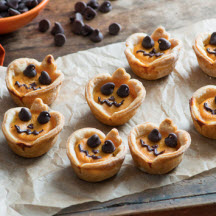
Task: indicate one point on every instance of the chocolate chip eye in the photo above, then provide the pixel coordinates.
(44, 117)
(154, 135)
(123, 91)
(30, 71)
(164, 44)
(94, 141)
(108, 147)
(25, 114)
(108, 88)
(171, 140)
(44, 78)
(213, 39)
(147, 42)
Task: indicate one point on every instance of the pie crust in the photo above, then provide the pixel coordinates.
(160, 67)
(37, 146)
(119, 116)
(101, 169)
(162, 163)
(47, 93)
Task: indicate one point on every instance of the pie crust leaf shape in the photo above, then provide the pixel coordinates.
(25, 97)
(30, 146)
(160, 66)
(165, 162)
(115, 116)
(206, 62)
(95, 170)
(204, 121)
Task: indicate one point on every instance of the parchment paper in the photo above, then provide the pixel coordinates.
(44, 185)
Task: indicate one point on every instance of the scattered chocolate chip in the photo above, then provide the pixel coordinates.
(94, 141)
(44, 117)
(89, 13)
(12, 4)
(13, 12)
(164, 44)
(154, 135)
(86, 30)
(147, 42)
(76, 16)
(59, 39)
(123, 91)
(30, 71)
(105, 7)
(57, 29)
(114, 28)
(171, 140)
(44, 78)
(77, 27)
(25, 114)
(3, 6)
(80, 7)
(44, 25)
(213, 39)
(108, 147)
(96, 36)
(93, 4)
(107, 88)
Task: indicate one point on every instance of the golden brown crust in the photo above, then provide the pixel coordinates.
(158, 68)
(162, 163)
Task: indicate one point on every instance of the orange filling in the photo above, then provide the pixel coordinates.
(207, 115)
(211, 48)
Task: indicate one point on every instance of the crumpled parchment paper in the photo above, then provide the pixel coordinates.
(44, 185)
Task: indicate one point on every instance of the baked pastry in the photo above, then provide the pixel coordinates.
(203, 110)
(114, 99)
(32, 132)
(95, 156)
(27, 79)
(205, 50)
(158, 150)
(152, 57)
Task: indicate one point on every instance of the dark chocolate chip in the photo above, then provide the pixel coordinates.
(44, 78)
(25, 114)
(147, 42)
(108, 147)
(114, 28)
(123, 91)
(13, 12)
(171, 140)
(77, 27)
(57, 28)
(154, 135)
(80, 7)
(96, 36)
(105, 7)
(94, 141)
(44, 117)
(213, 39)
(86, 30)
(23, 10)
(76, 16)
(107, 88)
(89, 13)
(93, 4)
(30, 71)
(4, 14)
(12, 4)
(30, 126)
(44, 25)
(3, 6)
(59, 39)
(34, 3)
(164, 44)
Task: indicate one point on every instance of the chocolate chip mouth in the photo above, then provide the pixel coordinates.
(207, 108)
(31, 85)
(151, 53)
(110, 101)
(211, 51)
(87, 154)
(27, 131)
(151, 148)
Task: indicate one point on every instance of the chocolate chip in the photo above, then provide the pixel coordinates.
(3, 6)
(12, 4)
(80, 7)
(171, 140)
(123, 91)
(23, 10)
(86, 30)
(30, 126)
(57, 29)
(147, 42)
(34, 3)
(114, 28)
(154, 135)
(213, 39)
(93, 4)
(89, 13)
(44, 25)
(4, 14)
(44, 117)
(13, 12)
(76, 16)
(94, 141)
(105, 7)
(31, 3)
(59, 39)
(25, 114)
(108, 147)
(164, 44)
(44, 78)
(77, 27)
(107, 88)
(96, 36)
(30, 71)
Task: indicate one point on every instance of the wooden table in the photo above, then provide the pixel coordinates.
(196, 196)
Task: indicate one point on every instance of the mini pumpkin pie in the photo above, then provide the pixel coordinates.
(152, 57)
(32, 132)
(95, 156)
(205, 50)
(203, 110)
(28, 79)
(158, 150)
(114, 99)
